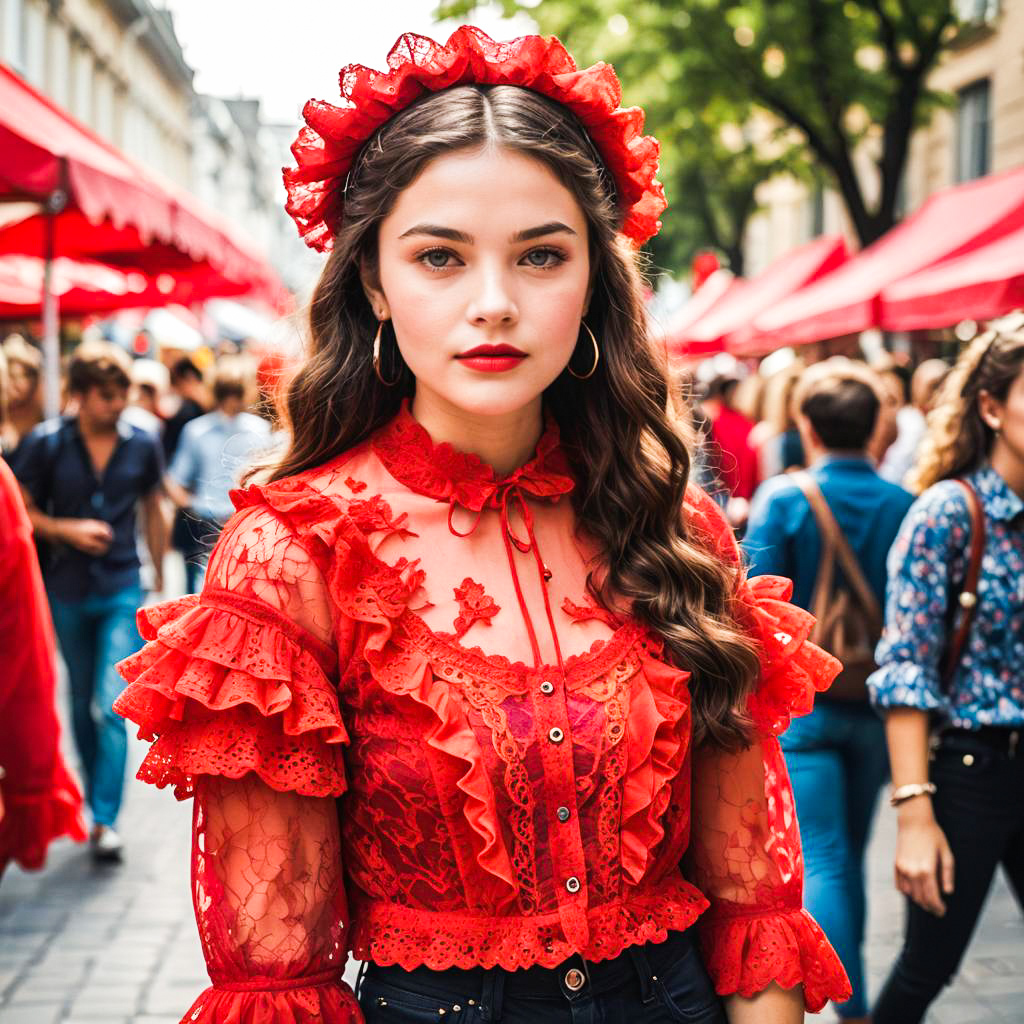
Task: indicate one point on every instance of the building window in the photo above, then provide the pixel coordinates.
(972, 131)
(34, 25)
(974, 12)
(12, 33)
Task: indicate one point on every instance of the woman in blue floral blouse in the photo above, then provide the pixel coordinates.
(957, 772)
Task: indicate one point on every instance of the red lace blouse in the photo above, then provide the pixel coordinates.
(404, 630)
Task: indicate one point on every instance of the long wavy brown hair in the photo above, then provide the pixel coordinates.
(629, 456)
(958, 439)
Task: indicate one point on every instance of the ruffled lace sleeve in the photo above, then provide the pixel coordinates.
(237, 691)
(745, 850)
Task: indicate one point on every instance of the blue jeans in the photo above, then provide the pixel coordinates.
(656, 983)
(95, 634)
(837, 762)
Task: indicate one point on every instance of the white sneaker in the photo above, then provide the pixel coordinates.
(106, 844)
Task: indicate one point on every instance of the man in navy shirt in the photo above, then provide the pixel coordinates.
(84, 477)
(836, 755)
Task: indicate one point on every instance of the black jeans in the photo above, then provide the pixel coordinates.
(663, 983)
(979, 804)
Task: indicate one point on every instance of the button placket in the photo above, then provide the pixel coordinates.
(569, 868)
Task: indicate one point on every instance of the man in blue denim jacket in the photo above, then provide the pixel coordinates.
(836, 755)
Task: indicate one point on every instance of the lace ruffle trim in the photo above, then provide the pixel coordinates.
(329, 143)
(390, 934)
(31, 821)
(657, 741)
(224, 693)
(793, 669)
(745, 954)
(301, 1001)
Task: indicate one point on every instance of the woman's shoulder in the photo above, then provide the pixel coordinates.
(945, 502)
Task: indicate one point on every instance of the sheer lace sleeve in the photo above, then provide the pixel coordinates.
(270, 904)
(237, 691)
(745, 851)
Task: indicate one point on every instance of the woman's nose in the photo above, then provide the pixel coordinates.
(494, 302)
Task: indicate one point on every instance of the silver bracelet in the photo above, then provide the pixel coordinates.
(903, 793)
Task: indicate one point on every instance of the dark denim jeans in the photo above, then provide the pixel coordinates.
(662, 983)
(979, 803)
(837, 763)
(95, 634)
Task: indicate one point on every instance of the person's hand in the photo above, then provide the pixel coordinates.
(924, 861)
(158, 582)
(91, 536)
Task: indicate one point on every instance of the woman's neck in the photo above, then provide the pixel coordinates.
(505, 442)
(1009, 464)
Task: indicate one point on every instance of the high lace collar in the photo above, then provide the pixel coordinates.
(445, 474)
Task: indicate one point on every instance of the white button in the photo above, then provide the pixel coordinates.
(547, 687)
(563, 813)
(556, 735)
(572, 884)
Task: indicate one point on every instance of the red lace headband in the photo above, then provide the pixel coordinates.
(330, 141)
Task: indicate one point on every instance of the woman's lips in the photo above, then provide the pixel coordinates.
(492, 358)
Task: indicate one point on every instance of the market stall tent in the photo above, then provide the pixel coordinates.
(984, 283)
(950, 224)
(97, 204)
(727, 326)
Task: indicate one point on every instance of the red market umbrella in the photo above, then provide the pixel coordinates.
(83, 287)
(727, 325)
(950, 224)
(984, 283)
(98, 204)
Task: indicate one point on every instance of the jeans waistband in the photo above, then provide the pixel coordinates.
(573, 975)
(1002, 739)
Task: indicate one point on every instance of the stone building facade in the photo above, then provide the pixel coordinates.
(981, 133)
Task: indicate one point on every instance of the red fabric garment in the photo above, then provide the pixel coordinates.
(39, 799)
(737, 460)
(405, 628)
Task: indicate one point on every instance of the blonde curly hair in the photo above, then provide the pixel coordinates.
(958, 439)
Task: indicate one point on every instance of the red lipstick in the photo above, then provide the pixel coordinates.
(492, 358)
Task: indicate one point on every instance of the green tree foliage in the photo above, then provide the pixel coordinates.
(739, 91)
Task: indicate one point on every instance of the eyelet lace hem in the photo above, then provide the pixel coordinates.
(296, 1002)
(387, 933)
(744, 954)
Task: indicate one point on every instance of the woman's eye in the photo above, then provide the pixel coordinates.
(437, 259)
(544, 259)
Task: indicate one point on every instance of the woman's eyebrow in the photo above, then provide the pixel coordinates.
(436, 231)
(551, 228)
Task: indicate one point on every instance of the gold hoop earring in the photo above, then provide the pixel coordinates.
(376, 359)
(597, 355)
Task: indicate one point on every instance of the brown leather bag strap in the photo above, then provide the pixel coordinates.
(832, 537)
(967, 597)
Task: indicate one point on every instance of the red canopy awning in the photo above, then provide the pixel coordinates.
(84, 287)
(984, 283)
(118, 212)
(950, 224)
(727, 325)
(720, 284)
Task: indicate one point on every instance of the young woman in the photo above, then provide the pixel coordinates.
(477, 599)
(957, 772)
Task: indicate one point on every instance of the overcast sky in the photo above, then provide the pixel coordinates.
(286, 51)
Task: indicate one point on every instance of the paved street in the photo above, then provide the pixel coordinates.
(81, 943)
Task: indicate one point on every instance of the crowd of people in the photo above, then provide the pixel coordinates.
(142, 458)
(821, 489)
(921, 601)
